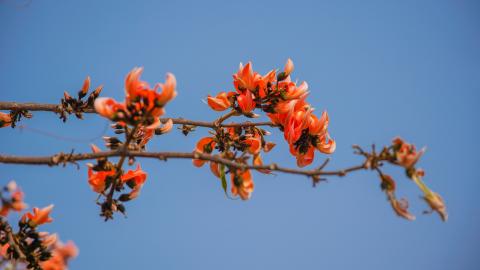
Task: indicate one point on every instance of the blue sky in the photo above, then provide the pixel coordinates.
(380, 68)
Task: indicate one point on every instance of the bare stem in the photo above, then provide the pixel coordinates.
(30, 106)
(63, 159)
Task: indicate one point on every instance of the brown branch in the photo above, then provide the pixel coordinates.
(63, 158)
(30, 106)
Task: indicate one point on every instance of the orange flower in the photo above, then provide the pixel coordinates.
(133, 84)
(257, 161)
(254, 144)
(325, 144)
(296, 92)
(242, 184)
(39, 216)
(48, 239)
(5, 120)
(168, 90)
(214, 168)
(219, 103)
(4, 251)
(109, 108)
(246, 101)
(138, 176)
(16, 202)
(303, 159)
(204, 145)
(61, 254)
(96, 180)
(245, 78)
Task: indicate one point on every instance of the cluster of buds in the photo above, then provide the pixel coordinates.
(239, 145)
(284, 101)
(28, 246)
(78, 105)
(405, 155)
(104, 176)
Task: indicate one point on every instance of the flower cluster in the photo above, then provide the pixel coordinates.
(284, 101)
(138, 118)
(142, 107)
(229, 142)
(28, 246)
(78, 105)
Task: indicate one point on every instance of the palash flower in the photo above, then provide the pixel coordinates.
(221, 102)
(214, 168)
(4, 251)
(61, 254)
(97, 180)
(204, 145)
(39, 216)
(16, 202)
(246, 101)
(242, 183)
(140, 99)
(135, 179)
(5, 120)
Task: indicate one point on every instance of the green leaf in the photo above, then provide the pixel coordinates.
(224, 179)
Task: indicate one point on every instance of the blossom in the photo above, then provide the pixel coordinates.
(242, 184)
(214, 168)
(16, 202)
(135, 179)
(5, 120)
(61, 254)
(204, 145)
(406, 154)
(109, 108)
(138, 176)
(97, 180)
(39, 216)
(142, 103)
(219, 103)
(246, 101)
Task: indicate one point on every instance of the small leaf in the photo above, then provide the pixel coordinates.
(223, 179)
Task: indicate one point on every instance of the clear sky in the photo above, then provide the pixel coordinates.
(380, 68)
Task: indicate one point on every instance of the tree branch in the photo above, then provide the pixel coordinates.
(31, 106)
(63, 158)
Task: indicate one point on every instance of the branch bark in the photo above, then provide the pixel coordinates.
(31, 106)
(63, 159)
